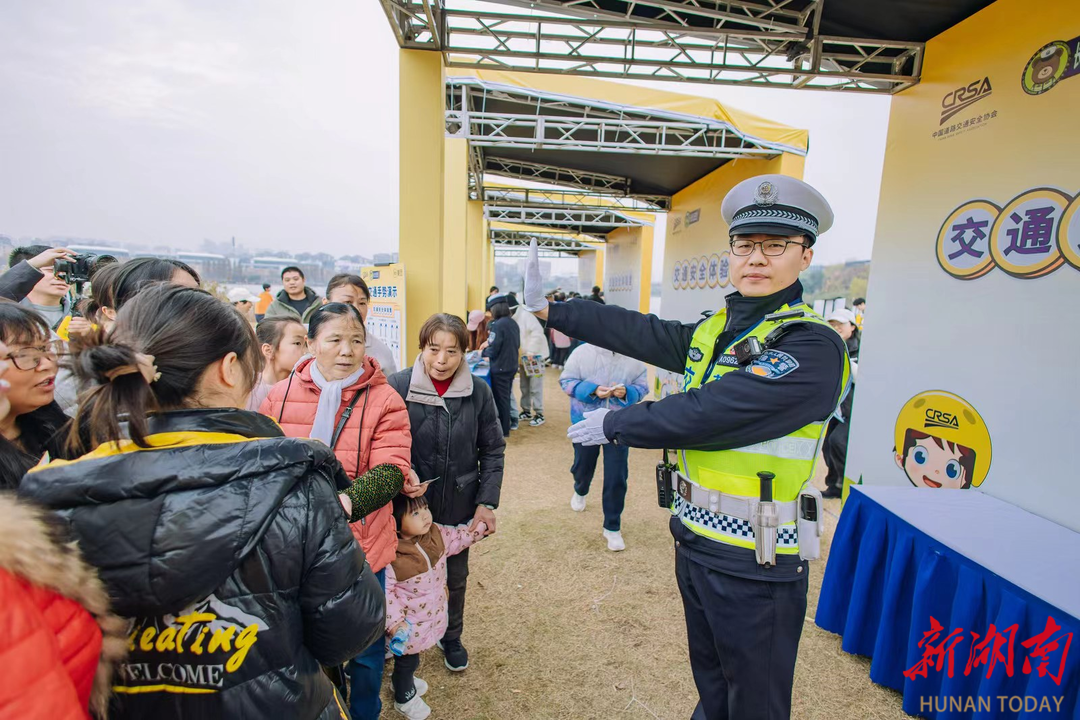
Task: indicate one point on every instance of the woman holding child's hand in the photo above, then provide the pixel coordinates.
(457, 451)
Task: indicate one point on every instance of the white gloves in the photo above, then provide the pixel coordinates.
(534, 285)
(589, 431)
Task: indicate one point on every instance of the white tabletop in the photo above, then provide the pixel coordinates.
(1031, 552)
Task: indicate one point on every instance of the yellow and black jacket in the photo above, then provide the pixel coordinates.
(226, 547)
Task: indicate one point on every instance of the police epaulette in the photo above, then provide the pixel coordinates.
(786, 315)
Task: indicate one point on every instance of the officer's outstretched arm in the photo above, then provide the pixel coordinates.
(740, 408)
(645, 337)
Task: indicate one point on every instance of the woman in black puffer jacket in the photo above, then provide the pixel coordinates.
(223, 542)
(458, 444)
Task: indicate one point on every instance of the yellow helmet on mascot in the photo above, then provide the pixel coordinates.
(949, 417)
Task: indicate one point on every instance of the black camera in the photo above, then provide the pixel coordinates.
(81, 267)
(748, 351)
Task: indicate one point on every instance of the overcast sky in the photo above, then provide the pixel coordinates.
(275, 121)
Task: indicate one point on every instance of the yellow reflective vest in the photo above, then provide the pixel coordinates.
(790, 458)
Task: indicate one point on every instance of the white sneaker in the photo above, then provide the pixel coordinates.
(614, 539)
(415, 709)
(421, 686)
(577, 503)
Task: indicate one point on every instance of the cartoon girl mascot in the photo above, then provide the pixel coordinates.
(942, 442)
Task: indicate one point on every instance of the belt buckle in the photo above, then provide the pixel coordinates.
(684, 489)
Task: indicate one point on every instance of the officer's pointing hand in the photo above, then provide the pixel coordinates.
(589, 431)
(534, 299)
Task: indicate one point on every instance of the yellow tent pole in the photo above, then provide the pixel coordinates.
(420, 154)
(455, 283)
(646, 268)
(476, 244)
(599, 279)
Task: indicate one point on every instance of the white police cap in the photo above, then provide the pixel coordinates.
(776, 205)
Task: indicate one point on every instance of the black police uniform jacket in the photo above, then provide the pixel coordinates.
(229, 552)
(738, 409)
(504, 345)
(457, 442)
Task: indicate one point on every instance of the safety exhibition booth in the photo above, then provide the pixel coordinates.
(955, 566)
(956, 563)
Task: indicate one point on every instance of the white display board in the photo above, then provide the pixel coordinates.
(386, 309)
(968, 375)
(622, 268)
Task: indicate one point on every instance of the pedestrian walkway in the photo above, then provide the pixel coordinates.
(559, 627)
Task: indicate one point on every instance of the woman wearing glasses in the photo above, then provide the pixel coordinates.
(29, 429)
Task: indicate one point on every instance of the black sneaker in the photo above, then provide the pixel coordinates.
(537, 421)
(456, 656)
(524, 415)
(832, 492)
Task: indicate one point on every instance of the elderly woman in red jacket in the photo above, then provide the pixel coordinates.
(341, 397)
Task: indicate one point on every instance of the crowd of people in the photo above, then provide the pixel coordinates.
(263, 507)
(257, 468)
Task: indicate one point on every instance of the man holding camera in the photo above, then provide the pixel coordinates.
(761, 378)
(30, 281)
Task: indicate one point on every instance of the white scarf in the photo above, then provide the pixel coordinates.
(329, 401)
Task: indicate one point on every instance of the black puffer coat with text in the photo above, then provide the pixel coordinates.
(226, 547)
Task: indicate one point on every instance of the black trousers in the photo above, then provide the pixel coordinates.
(403, 677)
(743, 637)
(502, 384)
(457, 576)
(835, 452)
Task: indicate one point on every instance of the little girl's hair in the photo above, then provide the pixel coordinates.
(271, 330)
(404, 504)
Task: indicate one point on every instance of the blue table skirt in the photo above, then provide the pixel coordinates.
(884, 580)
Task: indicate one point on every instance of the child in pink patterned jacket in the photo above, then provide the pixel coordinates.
(416, 593)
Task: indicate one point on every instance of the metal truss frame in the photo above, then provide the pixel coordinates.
(730, 42)
(549, 238)
(574, 198)
(503, 252)
(592, 182)
(563, 122)
(521, 250)
(567, 216)
(586, 125)
(602, 135)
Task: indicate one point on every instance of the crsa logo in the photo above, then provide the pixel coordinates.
(962, 98)
(939, 419)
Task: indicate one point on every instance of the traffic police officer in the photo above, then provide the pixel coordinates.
(761, 379)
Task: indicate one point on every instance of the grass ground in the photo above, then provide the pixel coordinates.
(559, 627)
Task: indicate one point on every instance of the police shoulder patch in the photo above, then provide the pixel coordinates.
(695, 354)
(773, 364)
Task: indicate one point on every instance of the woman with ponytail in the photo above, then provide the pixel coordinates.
(220, 540)
(112, 285)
